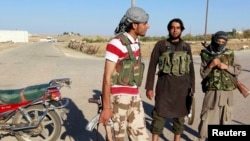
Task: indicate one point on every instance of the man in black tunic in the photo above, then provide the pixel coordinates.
(176, 80)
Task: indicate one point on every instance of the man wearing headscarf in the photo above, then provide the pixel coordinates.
(122, 103)
(217, 63)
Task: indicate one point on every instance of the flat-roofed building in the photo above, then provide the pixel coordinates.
(14, 36)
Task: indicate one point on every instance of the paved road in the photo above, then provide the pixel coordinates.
(40, 62)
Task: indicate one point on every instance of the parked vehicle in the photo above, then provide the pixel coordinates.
(33, 113)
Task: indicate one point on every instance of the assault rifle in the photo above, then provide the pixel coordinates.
(240, 86)
(191, 107)
(94, 122)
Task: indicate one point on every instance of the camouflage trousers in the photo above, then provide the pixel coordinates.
(129, 118)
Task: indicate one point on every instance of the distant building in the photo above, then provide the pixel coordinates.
(240, 32)
(14, 36)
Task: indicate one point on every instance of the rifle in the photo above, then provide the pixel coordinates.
(94, 122)
(191, 107)
(239, 85)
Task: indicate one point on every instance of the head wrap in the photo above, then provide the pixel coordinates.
(218, 48)
(220, 35)
(133, 15)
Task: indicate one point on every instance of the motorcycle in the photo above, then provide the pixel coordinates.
(35, 112)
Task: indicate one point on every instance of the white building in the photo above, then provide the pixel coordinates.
(14, 36)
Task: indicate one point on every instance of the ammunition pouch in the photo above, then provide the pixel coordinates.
(174, 63)
(128, 72)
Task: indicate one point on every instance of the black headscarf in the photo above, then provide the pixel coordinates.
(218, 48)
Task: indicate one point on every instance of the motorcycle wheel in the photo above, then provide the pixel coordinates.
(48, 130)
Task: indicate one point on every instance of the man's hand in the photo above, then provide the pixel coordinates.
(214, 63)
(223, 66)
(217, 63)
(106, 114)
(150, 94)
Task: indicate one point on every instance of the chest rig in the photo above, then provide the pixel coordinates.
(174, 62)
(217, 79)
(129, 71)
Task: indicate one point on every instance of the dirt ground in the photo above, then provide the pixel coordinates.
(146, 47)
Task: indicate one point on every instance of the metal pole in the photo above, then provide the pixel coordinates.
(205, 34)
(132, 3)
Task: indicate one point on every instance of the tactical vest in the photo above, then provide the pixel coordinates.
(217, 78)
(174, 62)
(129, 71)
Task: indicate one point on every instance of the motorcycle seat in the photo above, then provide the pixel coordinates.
(11, 96)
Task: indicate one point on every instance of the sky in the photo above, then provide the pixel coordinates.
(100, 17)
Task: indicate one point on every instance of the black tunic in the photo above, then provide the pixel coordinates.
(171, 91)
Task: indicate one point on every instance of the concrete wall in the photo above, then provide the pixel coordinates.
(14, 36)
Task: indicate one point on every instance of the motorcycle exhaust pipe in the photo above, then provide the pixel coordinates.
(16, 127)
(24, 126)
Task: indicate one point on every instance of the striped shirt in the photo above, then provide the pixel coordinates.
(116, 51)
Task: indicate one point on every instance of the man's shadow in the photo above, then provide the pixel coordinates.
(76, 122)
(148, 108)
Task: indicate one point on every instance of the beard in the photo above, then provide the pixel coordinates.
(174, 37)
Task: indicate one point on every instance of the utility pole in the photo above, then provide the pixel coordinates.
(132, 3)
(205, 34)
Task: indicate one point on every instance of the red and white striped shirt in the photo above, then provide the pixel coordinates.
(116, 51)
